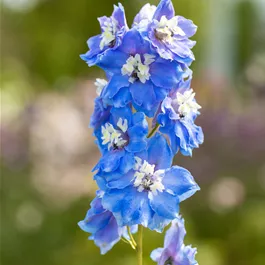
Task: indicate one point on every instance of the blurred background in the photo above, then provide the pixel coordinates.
(47, 150)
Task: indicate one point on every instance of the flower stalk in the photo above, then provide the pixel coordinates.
(140, 246)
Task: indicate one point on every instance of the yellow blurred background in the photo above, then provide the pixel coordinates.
(47, 150)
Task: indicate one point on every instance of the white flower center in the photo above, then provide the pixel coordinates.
(185, 103)
(146, 178)
(108, 36)
(114, 138)
(166, 29)
(136, 69)
(100, 84)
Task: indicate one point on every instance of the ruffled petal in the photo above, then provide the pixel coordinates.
(119, 15)
(165, 8)
(187, 26)
(91, 56)
(115, 84)
(112, 61)
(95, 222)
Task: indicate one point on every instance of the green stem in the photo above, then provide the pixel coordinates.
(132, 241)
(153, 131)
(140, 246)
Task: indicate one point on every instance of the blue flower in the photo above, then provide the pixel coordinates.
(174, 251)
(119, 138)
(138, 74)
(178, 113)
(169, 34)
(150, 193)
(112, 31)
(102, 226)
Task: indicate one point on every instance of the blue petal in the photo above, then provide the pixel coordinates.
(158, 223)
(134, 43)
(127, 162)
(101, 181)
(137, 133)
(123, 113)
(187, 26)
(96, 206)
(165, 74)
(174, 237)
(119, 15)
(159, 153)
(121, 181)
(115, 84)
(122, 98)
(156, 254)
(165, 8)
(108, 236)
(95, 222)
(112, 61)
(144, 13)
(91, 56)
(179, 181)
(111, 160)
(165, 205)
(100, 114)
(129, 206)
(143, 95)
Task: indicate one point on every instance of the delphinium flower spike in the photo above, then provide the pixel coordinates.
(147, 75)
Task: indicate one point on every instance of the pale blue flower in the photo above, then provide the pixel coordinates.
(174, 251)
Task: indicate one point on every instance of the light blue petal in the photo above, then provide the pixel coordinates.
(165, 204)
(187, 26)
(119, 15)
(156, 254)
(180, 182)
(108, 236)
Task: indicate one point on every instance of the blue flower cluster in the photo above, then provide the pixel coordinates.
(147, 76)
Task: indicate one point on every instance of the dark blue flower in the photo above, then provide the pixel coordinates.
(138, 74)
(169, 34)
(174, 251)
(102, 226)
(150, 193)
(112, 31)
(119, 138)
(178, 113)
